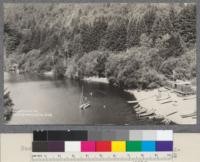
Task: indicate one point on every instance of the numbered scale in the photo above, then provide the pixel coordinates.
(76, 145)
(102, 156)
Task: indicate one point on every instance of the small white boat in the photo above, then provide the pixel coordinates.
(84, 106)
(151, 112)
(142, 110)
(83, 103)
(132, 102)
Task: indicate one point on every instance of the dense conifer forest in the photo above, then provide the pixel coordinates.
(133, 45)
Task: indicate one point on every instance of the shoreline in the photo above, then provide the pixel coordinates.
(146, 113)
(160, 104)
(96, 79)
(165, 105)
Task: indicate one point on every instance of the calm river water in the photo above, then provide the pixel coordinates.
(44, 100)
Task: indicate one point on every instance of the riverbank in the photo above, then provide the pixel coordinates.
(96, 79)
(165, 105)
(8, 106)
(161, 104)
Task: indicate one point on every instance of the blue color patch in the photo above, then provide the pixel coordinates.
(148, 146)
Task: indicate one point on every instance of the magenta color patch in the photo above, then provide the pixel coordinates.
(87, 146)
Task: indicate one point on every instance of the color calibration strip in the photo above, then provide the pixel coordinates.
(102, 146)
(117, 141)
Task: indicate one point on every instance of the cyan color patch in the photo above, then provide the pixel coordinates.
(148, 146)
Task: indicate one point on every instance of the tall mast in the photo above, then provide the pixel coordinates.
(81, 99)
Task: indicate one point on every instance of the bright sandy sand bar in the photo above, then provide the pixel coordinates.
(169, 103)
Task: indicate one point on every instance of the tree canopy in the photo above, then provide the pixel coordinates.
(133, 45)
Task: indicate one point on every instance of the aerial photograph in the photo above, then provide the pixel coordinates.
(99, 64)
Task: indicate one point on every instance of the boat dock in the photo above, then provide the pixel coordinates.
(165, 105)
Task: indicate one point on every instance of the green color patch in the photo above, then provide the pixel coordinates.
(133, 146)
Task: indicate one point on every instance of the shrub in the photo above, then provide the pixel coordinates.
(8, 106)
(183, 68)
(150, 79)
(93, 64)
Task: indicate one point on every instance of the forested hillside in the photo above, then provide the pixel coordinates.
(133, 45)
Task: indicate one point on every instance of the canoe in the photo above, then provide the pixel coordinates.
(148, 113)
(168, 101)
(143, 110)
(189, 115)
(136, 106)
(132, 102)
(172, 113)
(84, 106)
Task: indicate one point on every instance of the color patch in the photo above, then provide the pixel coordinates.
(164, 135)
(39, 146)
(69, 135)
(94, 135)
(135, 135)
(103, 146)
(148, 146)
(149, 135)
(164, 146)
(76, 135)
(133, 146)
(39, 135)
(108, 135)
(56, 146)
(56, 135)
(87, 146)
(72, 146)
(122, 135)
(118, 146)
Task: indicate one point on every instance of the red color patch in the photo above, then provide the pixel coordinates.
(103, 146)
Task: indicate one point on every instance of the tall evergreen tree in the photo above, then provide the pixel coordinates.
(132, 33)
(186, 24)
(98, 30)
(172, 15)
(86, 37)
(149, 18)
(116, 35)
(162, 26)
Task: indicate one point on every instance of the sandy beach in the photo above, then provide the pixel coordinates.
(96, 79)
(168, 104)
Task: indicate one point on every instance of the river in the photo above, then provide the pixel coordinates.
(45, 100)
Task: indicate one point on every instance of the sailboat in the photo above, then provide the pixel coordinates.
(83, 102)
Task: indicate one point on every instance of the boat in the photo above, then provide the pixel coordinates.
(166, 121)
(189, 115)
(151, 112)
(138, 109)
(157, 117)
(169, 101)
(132, 102)
(172, 113)
(84, 104)
(136, 106)
(189, 97)
(143, 110)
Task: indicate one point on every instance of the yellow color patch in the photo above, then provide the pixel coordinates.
(118, 146)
